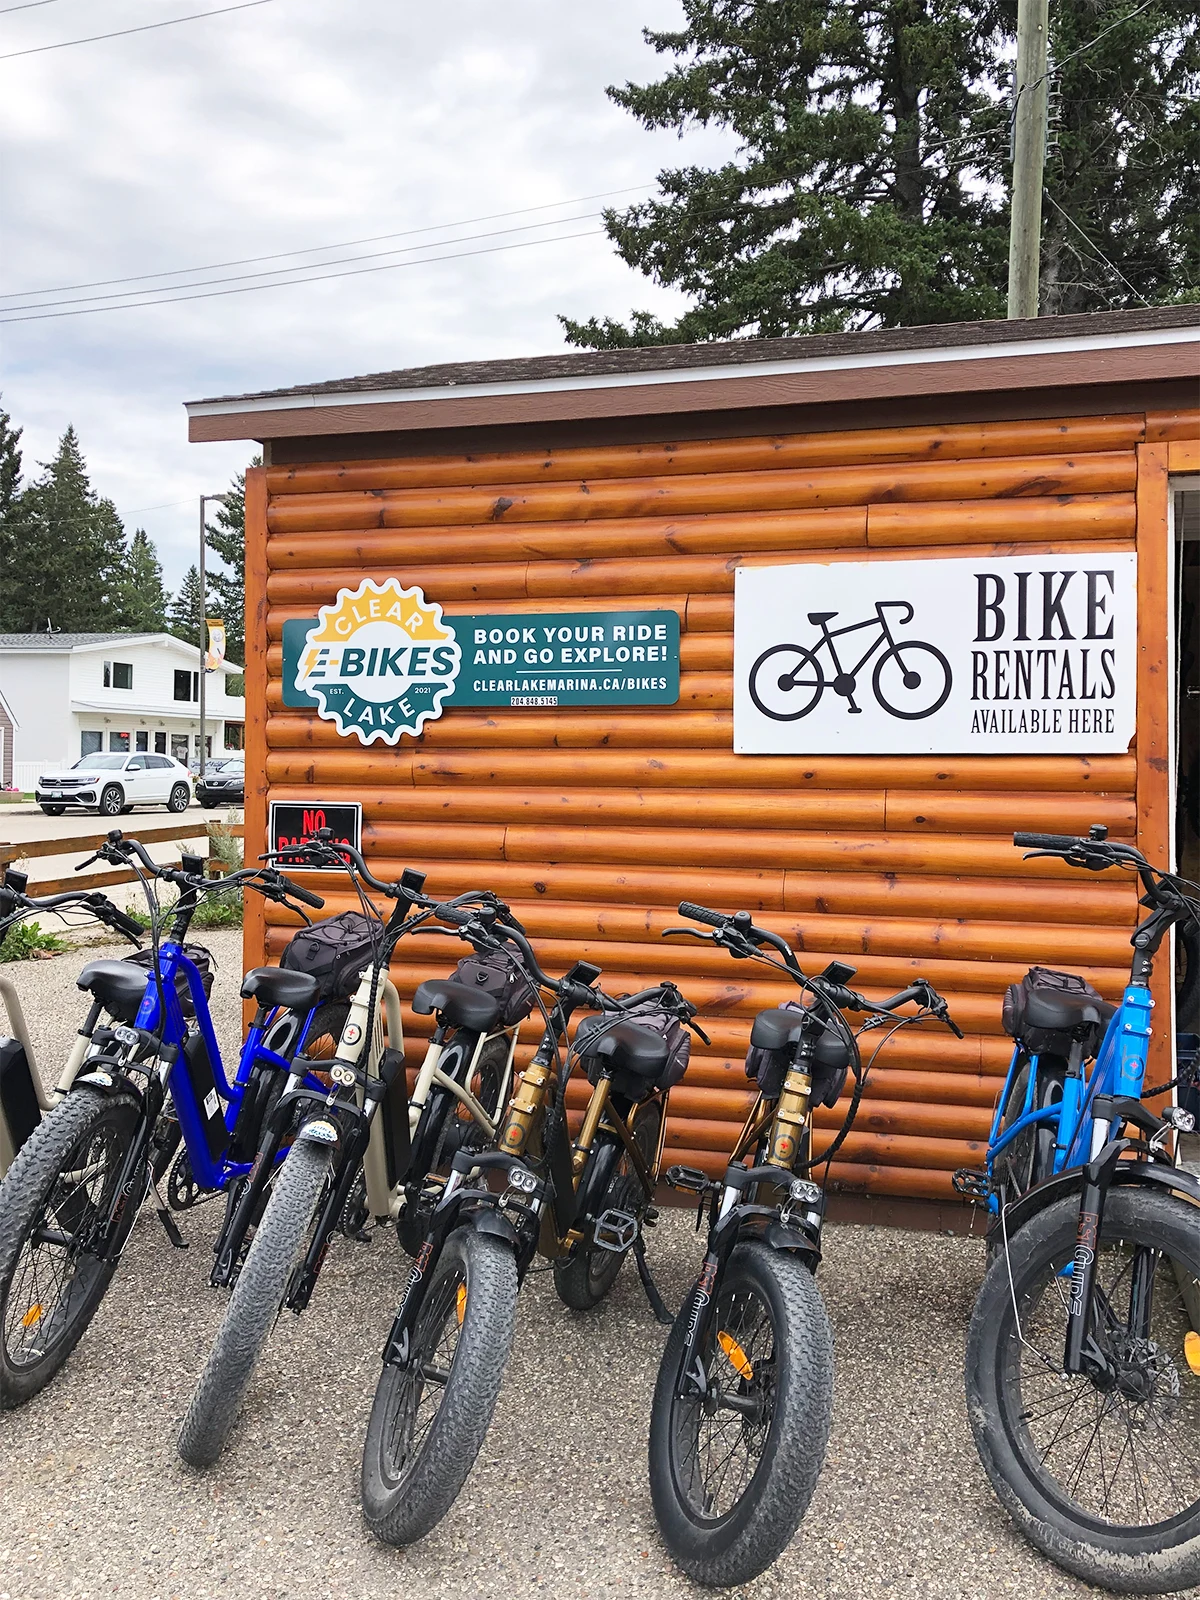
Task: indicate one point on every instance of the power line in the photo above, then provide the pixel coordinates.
(1091, 243)
(251, 288)
(274, 272)
(121, 33)
(29, 5)
(344, 244)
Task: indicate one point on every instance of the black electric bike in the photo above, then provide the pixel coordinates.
(361, 1148)
(744, 1395)
(582, 1202)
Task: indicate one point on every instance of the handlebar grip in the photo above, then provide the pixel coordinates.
(1046, 841)
(454, 915)
(713, 919)
(297, 891)
(116, 918)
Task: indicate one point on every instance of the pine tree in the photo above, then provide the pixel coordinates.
(870, 184)
(144, 600)
(66, 569)
(227, 541)
(187, 610)
(11, 542)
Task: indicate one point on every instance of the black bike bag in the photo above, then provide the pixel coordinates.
(768, 1064)
(1048, 1010)
(198, 956)
(336, 952)
(493, 973)
(645, 1051)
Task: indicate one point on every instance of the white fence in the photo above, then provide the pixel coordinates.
(26, 774)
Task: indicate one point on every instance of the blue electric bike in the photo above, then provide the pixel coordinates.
(145, 1075)
(1083, 1358)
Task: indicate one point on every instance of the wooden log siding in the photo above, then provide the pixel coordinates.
(594, 824)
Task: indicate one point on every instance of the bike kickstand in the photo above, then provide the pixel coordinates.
(657, 1304)
(170, 1229)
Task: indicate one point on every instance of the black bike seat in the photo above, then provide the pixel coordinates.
(118, 985)
(458, 1004)
(623, 1047)
(773, 1030)
(276, 986)
(1065, 1013)
(818, 617)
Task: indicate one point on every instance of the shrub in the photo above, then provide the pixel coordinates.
(25, 941)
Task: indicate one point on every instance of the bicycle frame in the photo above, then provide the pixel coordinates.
(828, 635)
(1119, 1069)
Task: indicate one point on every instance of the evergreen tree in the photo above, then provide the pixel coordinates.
(227, 541)
(870, 184)
(10, 516)
(144, 600)
(66, 569)
(184, 618)
(10, 466)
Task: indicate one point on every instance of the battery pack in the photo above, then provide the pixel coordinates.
(208, 1102)
(18, 1097)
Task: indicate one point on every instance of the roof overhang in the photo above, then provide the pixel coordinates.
(842, 368)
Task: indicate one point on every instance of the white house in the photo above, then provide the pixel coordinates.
(71, 694)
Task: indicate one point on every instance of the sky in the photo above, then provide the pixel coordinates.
(300, 126)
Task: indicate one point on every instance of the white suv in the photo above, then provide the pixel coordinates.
(111, 784)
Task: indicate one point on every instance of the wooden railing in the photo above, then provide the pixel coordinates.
(31, 849)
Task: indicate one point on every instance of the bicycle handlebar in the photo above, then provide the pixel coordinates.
(298, 892)
(713, 919)
(1046, 841)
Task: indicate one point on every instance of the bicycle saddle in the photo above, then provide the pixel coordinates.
(458, 1004)
(277, 986)
(818, 617)
(1065, 1013)
(624, 1047)
(118, 985)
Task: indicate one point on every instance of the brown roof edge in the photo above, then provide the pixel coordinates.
(996, 371)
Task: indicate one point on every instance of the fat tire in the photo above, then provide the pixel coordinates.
(756, 1531)
(400, 1514)
(574, 1282)
(26, 1185)
(254, 1304)
(1101, 1562)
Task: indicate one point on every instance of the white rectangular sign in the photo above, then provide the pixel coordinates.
(979, 655)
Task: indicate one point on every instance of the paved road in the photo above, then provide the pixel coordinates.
(95, 1502)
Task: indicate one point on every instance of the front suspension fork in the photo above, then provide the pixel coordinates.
(1083, 1354)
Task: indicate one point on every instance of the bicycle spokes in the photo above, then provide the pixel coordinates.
(1118, 1443)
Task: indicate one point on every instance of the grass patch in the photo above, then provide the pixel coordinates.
(25, 941)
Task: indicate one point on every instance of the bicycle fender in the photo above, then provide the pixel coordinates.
(780, 1235)
(109, 1081)
(1157, 1174)
(486, 1219)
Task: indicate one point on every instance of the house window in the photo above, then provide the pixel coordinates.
(160, 744)
(233, 736)
(187, 685)
(118, 675)
(143, 739)
(90, 742)
(118, 741)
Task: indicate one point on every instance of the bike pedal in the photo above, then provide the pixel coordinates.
(972, 1183)
(615, 1231)
(690, 1179)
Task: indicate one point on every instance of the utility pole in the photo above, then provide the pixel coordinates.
(1029, 156)
(204, 498)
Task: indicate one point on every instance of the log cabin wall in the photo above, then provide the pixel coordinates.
(594, 824)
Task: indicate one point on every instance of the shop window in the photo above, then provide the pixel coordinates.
(179, 747)
(118, 741)
(160, 744)
(233, 736)
(187, 685)
(118, 675)
(143, 739)
(91, 742)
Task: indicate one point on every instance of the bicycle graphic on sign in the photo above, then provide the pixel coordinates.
(912, 679)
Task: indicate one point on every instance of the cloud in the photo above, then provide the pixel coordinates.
(292, 125)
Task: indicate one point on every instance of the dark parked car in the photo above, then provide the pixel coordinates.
(223, 783)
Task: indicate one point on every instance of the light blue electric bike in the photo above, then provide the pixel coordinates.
(1083, 1359)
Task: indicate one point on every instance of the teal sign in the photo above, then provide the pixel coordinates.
(569, 658)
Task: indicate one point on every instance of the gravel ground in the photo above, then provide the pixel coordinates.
(96, 1503)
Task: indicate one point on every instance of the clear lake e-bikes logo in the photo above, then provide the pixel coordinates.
(380, 661)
